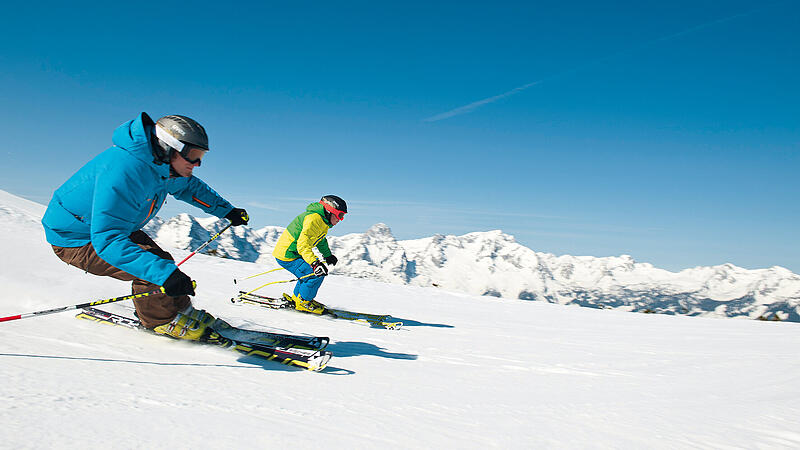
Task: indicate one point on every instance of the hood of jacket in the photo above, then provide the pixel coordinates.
(317, 207)
(135, 137)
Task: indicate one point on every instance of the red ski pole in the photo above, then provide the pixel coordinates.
(207, 242)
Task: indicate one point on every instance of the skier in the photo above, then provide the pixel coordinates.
(294, 253)
(94, 219)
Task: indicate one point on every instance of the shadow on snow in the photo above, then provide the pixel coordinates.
(347, 349)
(414, 323)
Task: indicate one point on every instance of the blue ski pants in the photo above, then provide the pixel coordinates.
(307, 287)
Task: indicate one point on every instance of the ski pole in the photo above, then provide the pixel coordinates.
(84, 305)
(276, 282)
(235, 281)
(207, 242)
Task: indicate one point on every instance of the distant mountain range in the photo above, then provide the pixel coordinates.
(492, 263)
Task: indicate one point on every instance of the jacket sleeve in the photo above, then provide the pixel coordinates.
(194, 191)
(113, 207)
(324, 248)
(313, 232)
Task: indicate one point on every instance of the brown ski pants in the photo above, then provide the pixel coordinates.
(153, 310)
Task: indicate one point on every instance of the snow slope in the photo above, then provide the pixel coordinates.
(466, 372)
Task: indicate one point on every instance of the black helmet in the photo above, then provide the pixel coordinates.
(334, 205)
(178, 133)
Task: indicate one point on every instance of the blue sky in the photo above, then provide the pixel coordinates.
(665, 131)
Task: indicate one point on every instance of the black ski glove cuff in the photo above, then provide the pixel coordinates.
(331, 260)
(178, 284)
(319, 268)
(238, 216)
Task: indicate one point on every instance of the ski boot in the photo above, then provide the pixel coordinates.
(191, 324)
(309, 306)
(201, 315)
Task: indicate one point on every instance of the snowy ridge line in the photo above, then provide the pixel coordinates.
(493, 264)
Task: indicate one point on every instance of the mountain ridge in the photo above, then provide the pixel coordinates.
(492, 263)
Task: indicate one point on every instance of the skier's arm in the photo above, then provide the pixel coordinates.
(313, 231)
(112, 210)
(324, 248)
(194, 191)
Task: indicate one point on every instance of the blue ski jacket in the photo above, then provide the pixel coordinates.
(117, 193)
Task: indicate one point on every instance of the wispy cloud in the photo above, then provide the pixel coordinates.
(475, 105)
(263, 206)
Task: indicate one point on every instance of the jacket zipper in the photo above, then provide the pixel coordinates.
(152, 207)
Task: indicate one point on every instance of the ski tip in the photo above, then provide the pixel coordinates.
(388, 325)
(320, 362)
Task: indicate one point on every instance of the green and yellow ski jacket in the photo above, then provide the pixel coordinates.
(306, 231)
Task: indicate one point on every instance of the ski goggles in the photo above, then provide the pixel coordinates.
(339, 214)
(185, 155)
(182, 148)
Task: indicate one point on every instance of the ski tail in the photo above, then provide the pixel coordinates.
(260, 300)
(103, 317)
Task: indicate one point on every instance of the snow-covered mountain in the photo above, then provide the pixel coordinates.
(492, 263)
(241, 243)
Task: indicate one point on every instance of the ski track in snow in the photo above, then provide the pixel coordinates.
(465, 372)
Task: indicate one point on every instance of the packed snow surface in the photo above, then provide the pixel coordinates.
(466, 371)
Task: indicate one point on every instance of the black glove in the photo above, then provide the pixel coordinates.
(332, 260)
(178, 284)
(319, 268)
(238, 216)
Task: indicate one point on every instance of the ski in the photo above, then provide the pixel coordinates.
(273, 339)
(307, 358)
(375, 320)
